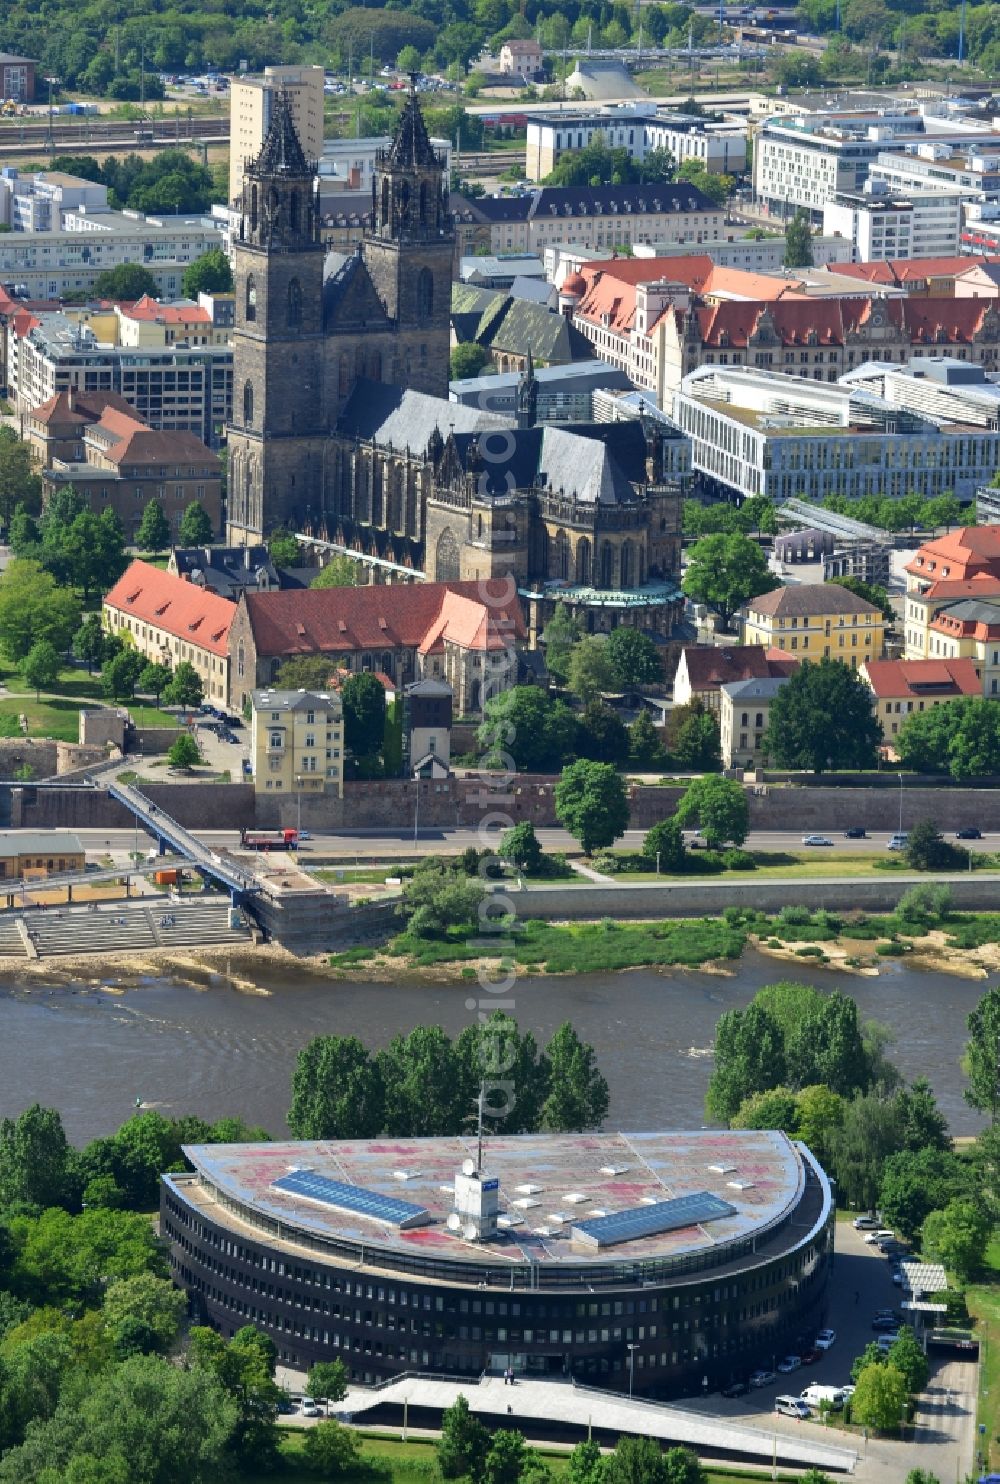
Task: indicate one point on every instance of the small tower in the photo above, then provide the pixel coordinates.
(526, 407)
(408, 250)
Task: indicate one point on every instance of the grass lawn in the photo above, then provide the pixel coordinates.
(350, 876)
(55, 715)
(984, 1306)
(781, 865)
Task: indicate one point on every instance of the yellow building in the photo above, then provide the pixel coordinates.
(902, 687)
(297, 743)
(815, 622)
(251, 100)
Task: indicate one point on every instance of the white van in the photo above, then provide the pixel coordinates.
(791, 1406)
(815, 1395)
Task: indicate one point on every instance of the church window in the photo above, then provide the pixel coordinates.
(583, 562)
(375, 365)
(627, 575)
(253, 208)
(240, 660)
(385, 203)
(293, 211)
(425, 293)
(294, 304)
(251, 313)
(607, 565)
(560, 566)
(423, 201)
(248, 404)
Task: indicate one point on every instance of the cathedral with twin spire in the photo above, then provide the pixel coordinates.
(342, 430)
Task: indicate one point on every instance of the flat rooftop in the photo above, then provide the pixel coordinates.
(548, 1184)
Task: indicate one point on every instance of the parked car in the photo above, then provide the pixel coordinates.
(882, 1235)
(816, 840)
(884, 1323)
(897, 1277)
(792, 1406)
(810, 1356)
(856, 832)
(865, 1224)
(735, 1388)
(899, 842)
(825, 1339)
(816, 1394)
(789, 1363)
(762, 1378)
(969, 833)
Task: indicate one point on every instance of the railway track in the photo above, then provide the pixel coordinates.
(16, 135)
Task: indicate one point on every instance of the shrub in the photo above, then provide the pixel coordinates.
(810, 950)
(923, 905)
(739, 860)
(891, 949)
(793, 917)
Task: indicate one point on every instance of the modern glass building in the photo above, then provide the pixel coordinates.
(684, 1258)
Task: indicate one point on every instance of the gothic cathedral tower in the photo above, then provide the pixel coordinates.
(408, 253)
(279, 429)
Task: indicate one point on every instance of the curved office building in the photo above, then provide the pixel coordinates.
(682, 1256)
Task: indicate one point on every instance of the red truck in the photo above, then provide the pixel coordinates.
(269, 839)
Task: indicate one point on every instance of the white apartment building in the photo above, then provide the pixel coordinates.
(35, 203)
(251, 100)
(638, 128)
(47, 265)
(973, 171)
(766, 433)
(877, 227)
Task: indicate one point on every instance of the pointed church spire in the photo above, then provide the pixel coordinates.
(282, 152)
(527, 395)
(411, 146)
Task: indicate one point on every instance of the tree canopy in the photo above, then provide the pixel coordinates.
(961, 738)
(724, 571)
(209, 274)
(719, 806)
(592, 804)
(823, 717)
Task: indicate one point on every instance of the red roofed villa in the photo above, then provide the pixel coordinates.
(902, 687)
(704, 669)
(170, 619)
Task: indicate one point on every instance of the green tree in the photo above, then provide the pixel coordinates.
(725, 571)
(154, 679)
(819, 1113)
(749, 1058)
(981, 1062)
(917, 1182)
(153, 534)
(328, 1379)
(125, 284)
(578, 1091)
(340, 571)
(645, 749)
(20, 482)
(928, 850)
(421, 1078)
(88, 642)
(464, 1442)
(664, 844)
(505, 1458)
(777, 1108)
(870, 1355)
(719, 805)
(467, 361)
(24, 535)
(143, 1313)
(823, 717)
(635, 659)
(601, 735)
(798, 242)
(364, 714)
(559, 636)
(957, 1237)
(209, 274)
(924, 1125)
(682, 1466)
(696, 742)
(284, 550)
(635, 1461)
(245, 1367)
(332, 1451)
(41, 665)
(921, 1476)
(408, 59)
(34, 1155)
(439, 898)
(33, 607)
(520, 846)
(962, 738)
(185, 688)
(591, 802)
(879, 1398)
(586, 1464)
(871, 1131)
(337, 1091)
(908, 1357)
(196, 527)
(872, 592)
(307, 672)
(503, 1061)
(524, 724)
(590, 669)
(184, 753)
(120, 673)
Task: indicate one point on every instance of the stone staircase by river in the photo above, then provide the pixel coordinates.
(133, 927)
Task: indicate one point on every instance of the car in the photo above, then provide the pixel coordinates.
(735, 1388)
(304, 835)
(762, 1378)
(825, 1339)
(969, 833)
(899, 841)
(882, 1235)
(312, 1411)
(883, 1324)
(792, 1406)
(865, 1224)
(816, 840)
(897, 1277)
(810, 1357)
(789, 1363)
(856, 832)
(848, 1391)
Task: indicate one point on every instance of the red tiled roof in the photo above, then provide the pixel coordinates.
(142, 445)
(834, 320)
(421, 615)
(903, 271)
(188, 612)
(915, 678)
(979, 585)
(87, 407)
(153, 311)
(710, 666)
(961, 553)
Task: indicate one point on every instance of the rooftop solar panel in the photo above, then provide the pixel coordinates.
(648, 1221)
(354, 1198)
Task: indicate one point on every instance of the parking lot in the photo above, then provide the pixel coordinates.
(943, 1435)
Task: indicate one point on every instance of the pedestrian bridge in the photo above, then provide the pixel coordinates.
(173, 837)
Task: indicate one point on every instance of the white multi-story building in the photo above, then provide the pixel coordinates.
(35, 203)
(50, 264)
(251, 100)
(639, 128)
(765, 433)
(877, 227)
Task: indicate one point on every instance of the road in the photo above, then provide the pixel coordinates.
(379, 844)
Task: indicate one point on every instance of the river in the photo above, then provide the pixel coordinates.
(91, 1049)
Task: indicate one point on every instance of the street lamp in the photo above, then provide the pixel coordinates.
(900, 803)
(631, 1367)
